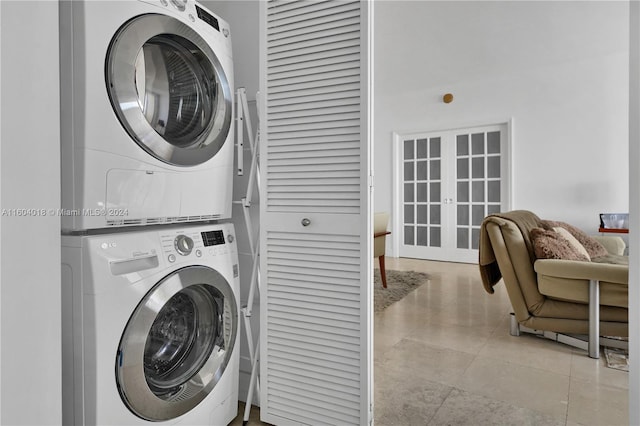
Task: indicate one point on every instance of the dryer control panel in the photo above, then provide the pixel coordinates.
(195, 13)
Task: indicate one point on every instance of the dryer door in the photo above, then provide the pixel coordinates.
(177, 343)
(169, 89)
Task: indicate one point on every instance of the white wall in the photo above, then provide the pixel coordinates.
(558, 69)
(29, 245)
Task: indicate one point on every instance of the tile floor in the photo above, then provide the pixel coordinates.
(443, 356)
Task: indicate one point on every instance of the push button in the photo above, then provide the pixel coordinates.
(172, 258)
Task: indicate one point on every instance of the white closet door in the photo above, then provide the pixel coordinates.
(315, 336)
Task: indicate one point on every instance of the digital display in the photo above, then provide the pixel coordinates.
(212, 238)
(202, 14)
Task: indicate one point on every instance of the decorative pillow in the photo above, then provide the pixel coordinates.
(593, 247)
(548, 244)
(573, 241)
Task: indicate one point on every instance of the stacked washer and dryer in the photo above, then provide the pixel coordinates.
(149, 268)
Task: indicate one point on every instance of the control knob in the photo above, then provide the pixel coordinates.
(181, 5)
(183, 245)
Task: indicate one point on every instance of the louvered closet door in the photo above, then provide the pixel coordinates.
(315, 223)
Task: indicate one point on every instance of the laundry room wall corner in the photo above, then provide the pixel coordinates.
(30, 310)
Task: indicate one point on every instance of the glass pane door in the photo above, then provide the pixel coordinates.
(448, 182)
(478, 182)
(422, 170)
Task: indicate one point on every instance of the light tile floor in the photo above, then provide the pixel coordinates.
(443, 356)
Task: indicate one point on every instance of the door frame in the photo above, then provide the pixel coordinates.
(396, 171)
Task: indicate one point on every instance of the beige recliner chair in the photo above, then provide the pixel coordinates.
(561, 299)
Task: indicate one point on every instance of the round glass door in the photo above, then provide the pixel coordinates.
(177, 344)
(169, 90)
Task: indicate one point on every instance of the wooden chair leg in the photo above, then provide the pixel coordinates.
(383, 274)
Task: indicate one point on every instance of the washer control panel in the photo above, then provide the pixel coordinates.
(196, 243)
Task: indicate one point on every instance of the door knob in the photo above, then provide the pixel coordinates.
(305, 222)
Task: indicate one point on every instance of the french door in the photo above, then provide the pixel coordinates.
(446, 183)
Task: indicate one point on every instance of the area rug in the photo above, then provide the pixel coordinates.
(617, 358)
(399, 284)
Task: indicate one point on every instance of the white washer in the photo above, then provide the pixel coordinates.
(150, 327)
(146, 113)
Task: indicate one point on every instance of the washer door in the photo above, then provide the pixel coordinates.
(168, 90)
(177, 343)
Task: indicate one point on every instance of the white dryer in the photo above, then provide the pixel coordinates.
(146, 113)
(150, 327)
